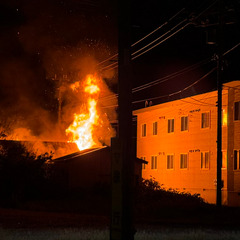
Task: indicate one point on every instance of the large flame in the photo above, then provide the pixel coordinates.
(81, 130)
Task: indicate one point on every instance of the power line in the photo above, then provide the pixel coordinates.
(165, 32)
(115, 63)
(152, 43)
(115, 55)
(134, 53)
(161, 80)
(180, 91)
(207, 8)
(158, 38)
(231, 49)
(161, 41)
(171, 94)
(168, 77)
(140, 40)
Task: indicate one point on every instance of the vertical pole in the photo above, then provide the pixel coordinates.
(125, 116)
(60, 101)
(219, 124)
(219, 139)
(122, 208)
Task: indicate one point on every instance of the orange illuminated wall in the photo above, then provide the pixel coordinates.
(178, 140)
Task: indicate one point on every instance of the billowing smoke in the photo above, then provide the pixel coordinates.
(47, 45)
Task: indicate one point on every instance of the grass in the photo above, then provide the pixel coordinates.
(103, 234)
(53, 234)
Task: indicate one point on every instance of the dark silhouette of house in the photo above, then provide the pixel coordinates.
(88, 168)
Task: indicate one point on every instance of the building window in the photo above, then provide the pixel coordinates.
(236, 159)
(155, 128)
(184, 123)
(205, 120)
(224, 159)
(144, 130)
(169, 161)
(237, 111)
(224, 117)
(144, 164)
(183, 161)
(170, 125)
(205, 158)
(153, 162)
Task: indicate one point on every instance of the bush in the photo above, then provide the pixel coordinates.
(151, 199)
(23, 175)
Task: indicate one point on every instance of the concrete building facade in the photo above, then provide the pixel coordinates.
(178, 140)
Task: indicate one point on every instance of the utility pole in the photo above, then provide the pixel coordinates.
(219, 104)
(122, 157)
(60, 101)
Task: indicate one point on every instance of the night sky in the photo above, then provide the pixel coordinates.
(43, 40)
(186, 48)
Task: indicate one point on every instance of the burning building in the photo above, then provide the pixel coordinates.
(178, 140)
(82, 158)
(88, 168)
(82, 120)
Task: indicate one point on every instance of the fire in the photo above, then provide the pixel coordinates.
(81, 130)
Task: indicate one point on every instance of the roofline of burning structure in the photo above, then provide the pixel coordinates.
(88, 151)
(79, 153)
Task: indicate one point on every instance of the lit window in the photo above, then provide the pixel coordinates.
(144, 164)
(205, 160)
(170, 125)
(155, 128)
(236, 159)
(153, 162)
(237, 111)
(169, 161)
(224, 117)
(183, 161)
(224, 159)
(144, 130)
(184, 123)
(205, 120)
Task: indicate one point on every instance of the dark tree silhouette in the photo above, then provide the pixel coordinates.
(23, 175)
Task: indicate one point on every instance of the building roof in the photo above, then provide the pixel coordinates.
(79, 154)
(174, 103)
(74, 155)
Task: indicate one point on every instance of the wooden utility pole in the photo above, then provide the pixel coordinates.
(219, 104)
(122, 159)
(60, 101)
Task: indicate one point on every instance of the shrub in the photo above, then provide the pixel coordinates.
(151, 199)
(23, 175)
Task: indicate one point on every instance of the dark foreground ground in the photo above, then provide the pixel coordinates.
(153, 208)
(12, 218)
(89, 218)
(211, 217)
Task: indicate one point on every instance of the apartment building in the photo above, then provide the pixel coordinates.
(178, 140)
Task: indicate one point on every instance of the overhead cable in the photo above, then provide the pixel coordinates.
(231, 49)
(177, 92)
(158, 38)
(161, 41)
(140, 40)
(134, 53)
(170, 76)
